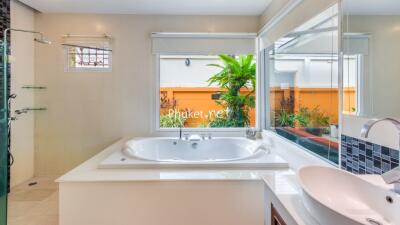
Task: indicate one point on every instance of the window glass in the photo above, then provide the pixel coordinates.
(302, 73)
(207, 91)
(87, 58)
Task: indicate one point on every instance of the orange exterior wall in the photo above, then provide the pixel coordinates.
(349, 99)
(326, 99)
(199, 100)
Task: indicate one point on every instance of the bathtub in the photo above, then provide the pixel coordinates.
(173, 152)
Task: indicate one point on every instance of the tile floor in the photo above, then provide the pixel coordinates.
(34, 205)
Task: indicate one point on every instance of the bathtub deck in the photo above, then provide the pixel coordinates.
(89, 171)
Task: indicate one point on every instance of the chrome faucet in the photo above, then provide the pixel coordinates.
(251, 133)
(392, 176)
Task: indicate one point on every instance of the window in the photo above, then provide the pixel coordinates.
(351, 84)
(356, 90)
(205, 80)
(302, 86)
(87, 55)
(200, 91)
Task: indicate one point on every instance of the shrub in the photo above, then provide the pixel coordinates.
(286, 119)
(171, 121)
(313, 118)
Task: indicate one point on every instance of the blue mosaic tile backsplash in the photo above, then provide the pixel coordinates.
(362, 157)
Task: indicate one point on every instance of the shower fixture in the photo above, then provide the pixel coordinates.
(42, 41)
(39, 39)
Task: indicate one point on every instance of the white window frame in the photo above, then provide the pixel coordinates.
(220, 131)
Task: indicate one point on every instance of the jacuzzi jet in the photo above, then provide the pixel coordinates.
(373, 222)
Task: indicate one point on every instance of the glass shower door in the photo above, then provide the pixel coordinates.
(3, 135)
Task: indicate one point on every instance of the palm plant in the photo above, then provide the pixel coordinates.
(235, 74)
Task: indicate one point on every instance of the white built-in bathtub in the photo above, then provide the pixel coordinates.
(173, 152)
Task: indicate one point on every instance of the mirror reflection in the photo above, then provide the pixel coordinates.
(371, 68)
(303, 85)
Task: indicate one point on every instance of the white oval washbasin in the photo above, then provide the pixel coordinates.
(174, 150)
(337, 197)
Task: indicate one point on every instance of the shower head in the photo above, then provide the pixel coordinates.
(42, 41)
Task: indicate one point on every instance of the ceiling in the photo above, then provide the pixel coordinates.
(152, 7)
(372, 7)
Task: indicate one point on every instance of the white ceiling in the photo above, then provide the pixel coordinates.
(372, 7)
(152, 7)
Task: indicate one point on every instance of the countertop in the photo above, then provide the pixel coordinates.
(282, 182)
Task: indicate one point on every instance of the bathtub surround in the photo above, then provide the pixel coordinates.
(362, 157)
(294, 154)
(195, 197)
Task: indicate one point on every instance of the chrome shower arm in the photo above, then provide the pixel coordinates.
(20, 30)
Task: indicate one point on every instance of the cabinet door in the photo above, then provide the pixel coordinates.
(276, 218)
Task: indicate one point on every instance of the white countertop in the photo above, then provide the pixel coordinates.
(282, 182)
(287, 190)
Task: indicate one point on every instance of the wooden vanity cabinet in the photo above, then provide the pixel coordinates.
(276, 219)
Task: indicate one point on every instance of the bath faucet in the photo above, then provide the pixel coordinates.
(251, 133)
(207, 136)
(195, 137)
(392, 176)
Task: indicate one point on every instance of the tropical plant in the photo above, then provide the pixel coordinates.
(313, 118)
(235, 74)
(172, 120)
(286, 119)
(302, 118)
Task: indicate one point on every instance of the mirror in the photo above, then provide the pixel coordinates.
(371, 64)
(302, 77)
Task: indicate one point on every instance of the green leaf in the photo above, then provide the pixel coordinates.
(236, 73)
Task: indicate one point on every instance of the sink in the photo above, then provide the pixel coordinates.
(334, 197)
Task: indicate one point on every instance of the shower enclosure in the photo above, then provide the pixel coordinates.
(6, 158)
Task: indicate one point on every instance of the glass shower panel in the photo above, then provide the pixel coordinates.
(3, 137)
